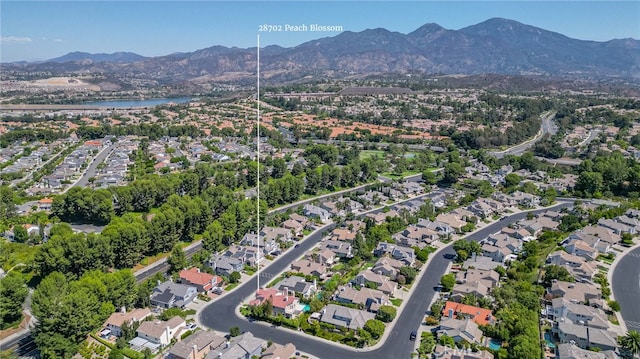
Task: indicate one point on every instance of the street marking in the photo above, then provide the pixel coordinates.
(632, 324)
(267, 275)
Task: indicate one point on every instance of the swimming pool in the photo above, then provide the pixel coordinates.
(495, 344)
(306, 308)
(548, 338)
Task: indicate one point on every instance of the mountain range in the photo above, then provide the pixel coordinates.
(496, 46)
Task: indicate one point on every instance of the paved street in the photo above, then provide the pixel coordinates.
(220, 315)
(92, 169)
(546, 127)
(625, 285)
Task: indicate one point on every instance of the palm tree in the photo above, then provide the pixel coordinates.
(630, 344)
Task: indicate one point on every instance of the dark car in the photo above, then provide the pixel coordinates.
(413, 335)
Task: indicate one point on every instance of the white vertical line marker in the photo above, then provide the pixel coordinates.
(258, 153)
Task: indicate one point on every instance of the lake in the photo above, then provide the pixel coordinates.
(137, 103)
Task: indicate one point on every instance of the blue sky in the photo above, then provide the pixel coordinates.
(33, 30)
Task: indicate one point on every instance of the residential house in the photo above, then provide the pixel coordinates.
(203, 281)
(298, 285)
(616, 227)
(307, 267)
(497, 254)
(345, 317)
(295, 227)
(485, 207)
(405, 255)
(537, 225)
(501, 240)
(160, 332)
(45, 204)
(525, 199)
(250, 255)
(355, 225)
(270, 234)
(489, 278)
(577, 266)
(316, 212)
(572, 351)
(277, 351)
(300, 219)
(452, 221)
(581, 248)
(116, 320)
(333, 208)
(383, 248)
(197, 345)
(225, 265)
(388, 267)
(283, 302)
(343, 234)
(381, 217)
(443, 229)
(460, 329)
(172, 295)
(477, 289)
(382, 283)
(367, 298)
(606, 235)
(577, 292)
(585, 337)
(480, 262)
(566, 310)
(479, 315)
(341, 249)
(373, 197)
(324, 256)
(417, 234)
(244, 346)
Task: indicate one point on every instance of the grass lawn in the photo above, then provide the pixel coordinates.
(396, 301)
(231, 286)
(148, 260)
(364, 154)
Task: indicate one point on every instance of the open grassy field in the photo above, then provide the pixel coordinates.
(364, 154)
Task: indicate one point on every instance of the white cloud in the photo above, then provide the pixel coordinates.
(57, 40)
(15, 39)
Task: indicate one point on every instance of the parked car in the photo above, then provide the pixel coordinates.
(413, 335)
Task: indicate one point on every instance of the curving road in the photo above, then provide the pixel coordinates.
(625, 285)
(220, 315)
(546, 127)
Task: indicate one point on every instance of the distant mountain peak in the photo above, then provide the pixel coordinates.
(121, 56)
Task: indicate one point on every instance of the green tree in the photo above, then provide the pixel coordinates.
(452, 172)
(234, 331)
(177, 260)
(375, 327)
(512, 180)
(409, 273)
(20, 234)
(555, 272)
(7, 202)
(386, 313)
(448, 281)
(13, 292)
(613, 305)
(234, 277)
(630, 344)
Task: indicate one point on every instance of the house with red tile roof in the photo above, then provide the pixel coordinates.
(284, 302)
(479, 315)
(203, 281)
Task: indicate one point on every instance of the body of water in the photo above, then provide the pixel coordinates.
(494, 344)
(549, 340)
(137, 103)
